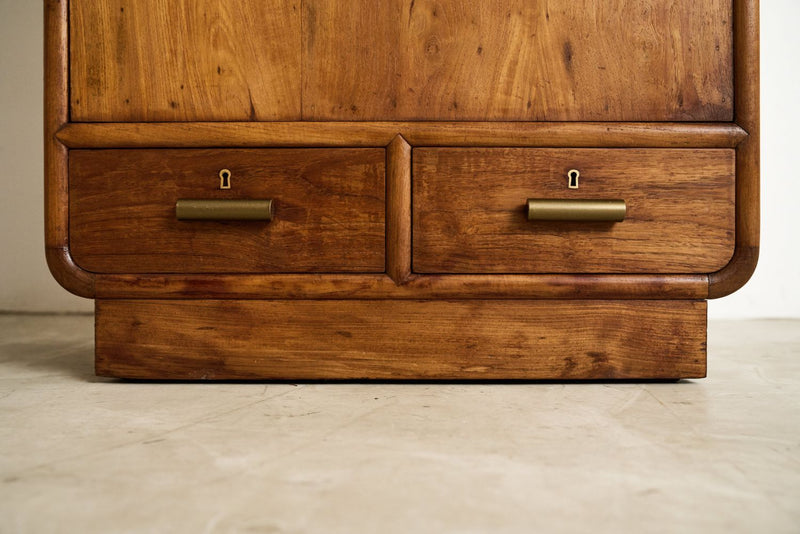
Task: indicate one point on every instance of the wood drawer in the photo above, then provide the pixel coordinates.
(469, 210)
(329, 211)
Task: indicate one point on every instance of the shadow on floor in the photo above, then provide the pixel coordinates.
(59, 345)
(52, 358)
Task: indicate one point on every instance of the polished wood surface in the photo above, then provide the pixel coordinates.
(469, 214)
(505, 134)
(398, 223)
(379, 286)
(748, 154)
(386, 340)
(610, 60)
(329, 210)
(56, 172)
(178, 60)
(402, 80)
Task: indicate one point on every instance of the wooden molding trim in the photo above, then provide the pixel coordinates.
(365, 286)
(736, 274)
(56, 105)
(398, 210)
(55, 116)
(380, 134)
(746, 106)
(69, 274)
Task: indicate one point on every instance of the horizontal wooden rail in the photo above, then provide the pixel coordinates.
(351, 134)
(381, 286)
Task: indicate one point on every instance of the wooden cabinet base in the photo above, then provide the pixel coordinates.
(400, 340)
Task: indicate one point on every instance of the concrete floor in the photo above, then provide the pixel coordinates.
(82, 454)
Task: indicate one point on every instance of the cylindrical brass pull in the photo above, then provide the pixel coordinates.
(545, 209)
(223, 210)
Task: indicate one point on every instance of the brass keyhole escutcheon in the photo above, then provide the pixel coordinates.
(572, 176)
(224, 179)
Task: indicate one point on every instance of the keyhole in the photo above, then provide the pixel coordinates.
(224, 179)
(573, 176)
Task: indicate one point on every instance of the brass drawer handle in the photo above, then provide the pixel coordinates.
(224, 210)
(543, 209)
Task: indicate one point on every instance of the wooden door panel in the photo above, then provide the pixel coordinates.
(616, 60)
(184, 60)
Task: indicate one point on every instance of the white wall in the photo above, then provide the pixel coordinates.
(25, 283)
(774, 290)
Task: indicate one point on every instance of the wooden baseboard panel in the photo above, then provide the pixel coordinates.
(400, 340)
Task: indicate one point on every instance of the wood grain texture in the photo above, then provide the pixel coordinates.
(388, 340)
(614, 60)
(469, 210)
(377, 286)
(329, 210)
(637, 75)
(178, 60)
(56, 194)
(323, 134)
(748, 154)
(398, 210)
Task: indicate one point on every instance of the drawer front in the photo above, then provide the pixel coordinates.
(329, 211)
(470, 210)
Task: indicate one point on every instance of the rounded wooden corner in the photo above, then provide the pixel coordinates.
(735, 274)
(68, 273)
